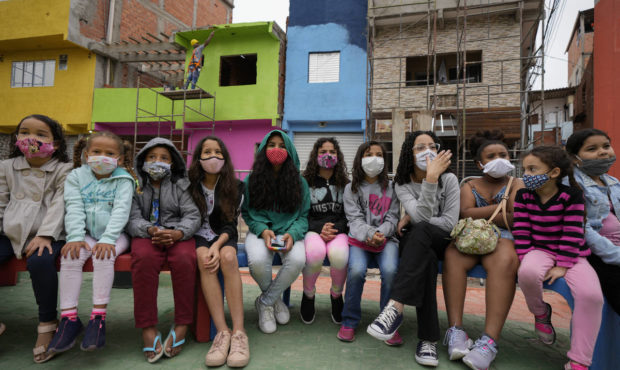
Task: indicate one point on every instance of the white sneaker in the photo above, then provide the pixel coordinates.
(266, 319)
(458, 343)
(282, 314)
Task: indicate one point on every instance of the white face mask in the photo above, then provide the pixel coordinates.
(372, 166)
(498, 168)
(420, 158)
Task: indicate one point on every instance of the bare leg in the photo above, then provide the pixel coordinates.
(455, 267)
(233, 286)
(212, 291)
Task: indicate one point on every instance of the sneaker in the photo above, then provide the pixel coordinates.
(65, 336)
(386, 324)
(239, 355)
(306, 311)
(266, 318)
(94, 337)
(395, 341)
(346, 334)
(571, 365)
(282, 314)
(337, 305)
(219, 349)
(426, 353)
(458, 343)
(543, 327)
(482, 354)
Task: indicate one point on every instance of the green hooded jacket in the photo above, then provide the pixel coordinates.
(295, 223)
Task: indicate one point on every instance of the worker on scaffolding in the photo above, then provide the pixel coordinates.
(193, 70)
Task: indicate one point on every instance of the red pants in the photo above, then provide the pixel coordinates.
(147, 261)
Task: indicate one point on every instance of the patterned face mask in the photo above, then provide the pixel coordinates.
(33, 148)
(102, 165)
(276, 156)
(533, 182)
(327, 160)
(156, 170)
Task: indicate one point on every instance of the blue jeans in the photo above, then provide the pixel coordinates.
(387, 260)
(192, 76)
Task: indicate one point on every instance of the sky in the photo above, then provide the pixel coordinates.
(556, 68)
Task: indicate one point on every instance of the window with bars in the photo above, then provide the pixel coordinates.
(324, 67)
(33, 73)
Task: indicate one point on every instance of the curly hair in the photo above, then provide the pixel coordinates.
(406, 161)
(576, 140)
(358, 172)
(341, 179)
(226, 183)
(273, 191)
(482, 139)
(58, 133)
(554, 156)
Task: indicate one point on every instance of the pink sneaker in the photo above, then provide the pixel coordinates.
(544, 328)
(346, 334)
(395, 341)
(571, 365)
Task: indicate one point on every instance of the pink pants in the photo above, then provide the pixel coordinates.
(337, 252)
(586, 290)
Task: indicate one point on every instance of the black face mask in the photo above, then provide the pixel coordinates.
(596, 167)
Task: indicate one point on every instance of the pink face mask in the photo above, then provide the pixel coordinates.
(327, 160)
(276, 156)
(212, 165)
(33, 148)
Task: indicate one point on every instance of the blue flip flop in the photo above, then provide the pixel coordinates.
(174, 342)
(154, 349)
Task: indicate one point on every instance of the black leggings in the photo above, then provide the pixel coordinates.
(42, 274)
(609, 276)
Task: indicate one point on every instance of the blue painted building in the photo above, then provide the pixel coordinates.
(325, 87)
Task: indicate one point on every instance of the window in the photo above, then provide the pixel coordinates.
(238, 70)
(324, 67)
(449, 69)
(33, 73)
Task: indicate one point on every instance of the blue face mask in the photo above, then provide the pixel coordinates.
(533, 182)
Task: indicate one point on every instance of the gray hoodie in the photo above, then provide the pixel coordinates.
(177, 209)
(371, 209)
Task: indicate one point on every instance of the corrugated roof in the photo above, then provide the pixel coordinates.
(553, 93)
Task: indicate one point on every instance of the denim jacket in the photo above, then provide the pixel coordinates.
(597, 207)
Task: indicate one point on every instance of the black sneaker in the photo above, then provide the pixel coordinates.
(426, 353)
(94, 337)
(386, 324)
(337, 305)
(65, 336)
(306, 310)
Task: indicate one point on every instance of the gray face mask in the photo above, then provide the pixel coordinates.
(596, 167)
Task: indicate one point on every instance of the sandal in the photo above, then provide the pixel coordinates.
(175, 344)
(42, 349)
(154, 349)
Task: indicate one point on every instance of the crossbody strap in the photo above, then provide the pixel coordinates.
(502, 204)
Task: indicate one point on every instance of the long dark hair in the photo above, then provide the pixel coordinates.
(340, 177)
(57, 132)
(482, 139)
(281, 193)
(227, 184)
(358, 172)
(576, 140)
(554, 156)
(406, 161)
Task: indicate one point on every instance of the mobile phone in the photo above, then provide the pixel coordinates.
(278, 244)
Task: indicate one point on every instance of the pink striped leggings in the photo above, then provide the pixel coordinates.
(336, 250)
(586, 290)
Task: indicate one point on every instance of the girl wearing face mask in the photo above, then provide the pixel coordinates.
(97, 202)
(549, 238)
(32, 213)
(479, 199)
(218, 195)
(372, 210)
(275, 207)
(162, 224)
(326, 174)
(429, 194)
(593, 155)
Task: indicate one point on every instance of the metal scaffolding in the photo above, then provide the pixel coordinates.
(498, 91)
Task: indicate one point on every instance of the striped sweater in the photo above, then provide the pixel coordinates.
(555, 227)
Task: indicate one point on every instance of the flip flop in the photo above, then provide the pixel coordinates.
(154, 349)
(42, 349)
(175, 344)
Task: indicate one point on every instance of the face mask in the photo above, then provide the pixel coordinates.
(102, 165)
(156, 170)
(212, 165)
(372, 166)
(420, 158)
(533, 182)
(276, 156)
(596, 167)
(33, 148)
(327, 160)
(498, 168)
